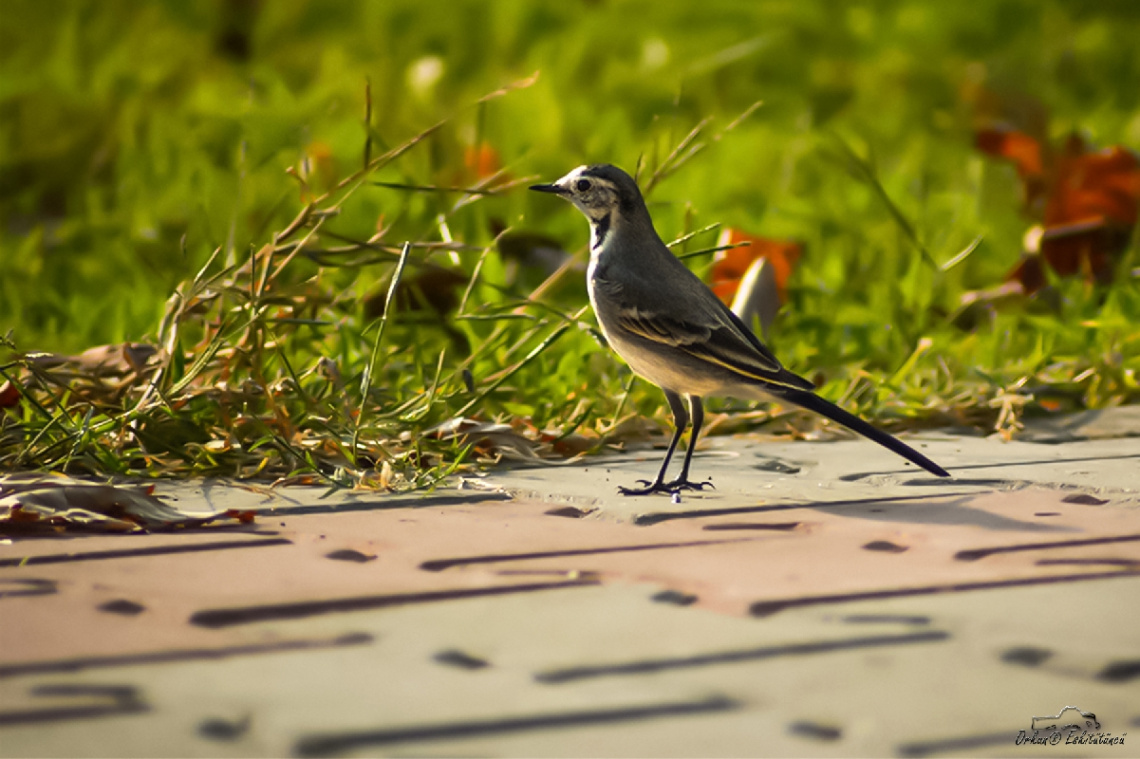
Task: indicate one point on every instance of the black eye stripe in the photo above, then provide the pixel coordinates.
(582, 185)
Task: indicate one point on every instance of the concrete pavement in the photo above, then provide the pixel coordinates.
(825, 599)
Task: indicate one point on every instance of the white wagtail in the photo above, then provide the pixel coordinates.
(670, 327)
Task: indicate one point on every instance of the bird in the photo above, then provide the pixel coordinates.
(671, 329)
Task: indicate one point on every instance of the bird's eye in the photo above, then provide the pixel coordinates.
(583, 185)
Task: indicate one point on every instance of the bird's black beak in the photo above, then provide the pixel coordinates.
(552, 188)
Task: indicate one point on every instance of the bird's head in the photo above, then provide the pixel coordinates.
(600, 192)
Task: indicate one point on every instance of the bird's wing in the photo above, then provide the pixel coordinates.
(720, 339)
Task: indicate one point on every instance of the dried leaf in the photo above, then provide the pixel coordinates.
(9, 394)
(48, 502)
(243, 516)
(573, 445)
(1024, 151)
(117, 360)
(1087, 203)
(498, 439)
(731, 265)
(758, 296)
(1100, 186)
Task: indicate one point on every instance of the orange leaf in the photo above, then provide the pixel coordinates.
(1105, 184)
(1088, 201)
(482, 160)
(730, 265)
(241, 515)
(1019, 147)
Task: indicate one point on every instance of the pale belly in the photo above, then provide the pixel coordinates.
(665, 368)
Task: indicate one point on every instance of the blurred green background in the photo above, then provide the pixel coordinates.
(136, 138)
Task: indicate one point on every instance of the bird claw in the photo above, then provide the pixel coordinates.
(672, 488)
(676, 486)
(650, 487)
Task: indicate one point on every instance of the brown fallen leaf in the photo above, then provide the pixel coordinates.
(9, 394)
(753, 278)
(494, 439)
(1087, 202)
(38, 502)
(730, 266)
(117, 360)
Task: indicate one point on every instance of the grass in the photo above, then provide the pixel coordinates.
(258, 196)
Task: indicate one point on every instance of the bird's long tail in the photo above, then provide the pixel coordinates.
(813, 402)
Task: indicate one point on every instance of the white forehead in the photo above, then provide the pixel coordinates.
(574, 174)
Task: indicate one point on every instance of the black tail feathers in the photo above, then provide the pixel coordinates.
(813, 402)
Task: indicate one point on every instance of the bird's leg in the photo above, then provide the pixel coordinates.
(680, 421)
(682, 482)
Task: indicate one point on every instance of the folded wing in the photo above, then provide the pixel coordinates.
(722, 340)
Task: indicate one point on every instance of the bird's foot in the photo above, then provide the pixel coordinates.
(657, 486)
(677, 485)
(672, 488)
